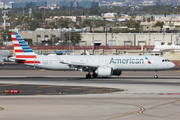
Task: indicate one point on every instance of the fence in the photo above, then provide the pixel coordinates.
(151, 47)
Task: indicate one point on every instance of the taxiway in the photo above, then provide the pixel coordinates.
(143, 97)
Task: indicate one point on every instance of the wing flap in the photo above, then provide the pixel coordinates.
(77, 64)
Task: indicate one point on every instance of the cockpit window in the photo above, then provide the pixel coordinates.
(165, 60)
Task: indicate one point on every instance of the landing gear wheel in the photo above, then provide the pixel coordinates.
(88, 76)
(155, 76)
(94, 75)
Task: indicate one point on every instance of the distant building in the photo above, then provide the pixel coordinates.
(67, 4)
(19, 5)
(41, 4)
(87, 4)
(170, 22)
(8, 25)
(117, 3)
(94, 4)
(30, 4)
(156, 17)
(148, 3)
(73, 18)
(9, 5)
(109, 16)
(1, 5)
(53, 6)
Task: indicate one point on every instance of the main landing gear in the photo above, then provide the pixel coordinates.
(155, 74)
(94, 75)
(88, 76)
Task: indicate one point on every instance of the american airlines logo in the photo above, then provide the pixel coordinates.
(148, 60)
(126, 61)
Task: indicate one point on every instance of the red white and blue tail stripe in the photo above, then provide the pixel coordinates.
(24, 53)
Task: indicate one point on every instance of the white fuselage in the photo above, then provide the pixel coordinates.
(117, 62)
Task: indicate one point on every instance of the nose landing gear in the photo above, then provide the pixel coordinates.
(155, 74)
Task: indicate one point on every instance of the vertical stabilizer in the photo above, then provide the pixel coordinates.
(23, 51)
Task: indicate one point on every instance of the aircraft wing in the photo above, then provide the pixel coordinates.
(77, 64)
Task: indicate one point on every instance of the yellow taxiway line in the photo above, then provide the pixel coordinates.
(9, 84)
(1, 108)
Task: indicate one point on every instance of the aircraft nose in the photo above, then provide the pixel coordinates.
(172, 65)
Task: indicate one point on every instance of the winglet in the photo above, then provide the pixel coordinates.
(87, 53)
(60, 61)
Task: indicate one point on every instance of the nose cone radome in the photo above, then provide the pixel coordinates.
(172, 65)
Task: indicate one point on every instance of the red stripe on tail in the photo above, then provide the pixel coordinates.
(18, 51)
(12, 33)
(14, 39)
(17, 45)
(26, 56)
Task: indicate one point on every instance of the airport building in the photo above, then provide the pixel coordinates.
(103, 39)
(41, 35)
(129, 39)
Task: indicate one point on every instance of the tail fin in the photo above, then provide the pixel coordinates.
(22, 50)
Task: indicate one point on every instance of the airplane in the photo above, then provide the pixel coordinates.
(98, 65)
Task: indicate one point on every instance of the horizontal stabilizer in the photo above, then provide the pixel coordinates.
(14, 58)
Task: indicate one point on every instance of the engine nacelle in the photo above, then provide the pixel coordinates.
(104, 71)
(117, 72)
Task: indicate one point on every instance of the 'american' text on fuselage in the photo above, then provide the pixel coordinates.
(126, 61)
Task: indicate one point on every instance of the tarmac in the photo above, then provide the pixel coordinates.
(140, 96)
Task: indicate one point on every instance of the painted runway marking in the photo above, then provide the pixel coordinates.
(170, 94)
(1, 108)
(9, 84)
(40, 95)
(140, 111)
(159, 106)
(42, 70)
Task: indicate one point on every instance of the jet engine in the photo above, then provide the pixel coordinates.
(117, 72)
(104, 71)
